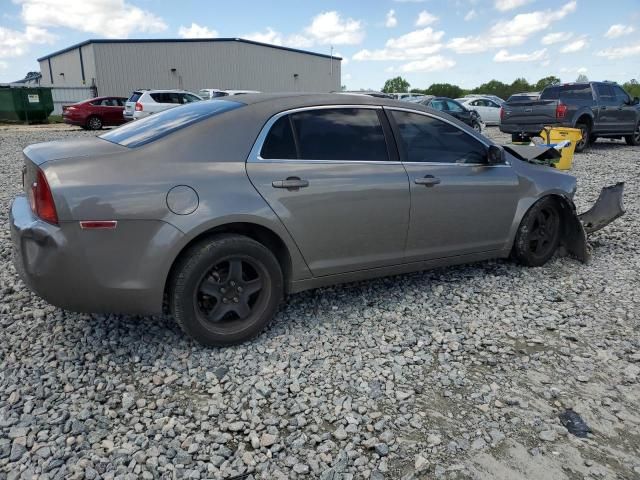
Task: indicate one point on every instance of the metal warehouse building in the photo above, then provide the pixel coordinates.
(117, 67)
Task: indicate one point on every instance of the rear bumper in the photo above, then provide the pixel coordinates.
(79, 270)
(529, 129)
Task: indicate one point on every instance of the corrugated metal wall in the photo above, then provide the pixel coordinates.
(123, 67)
(70, 64)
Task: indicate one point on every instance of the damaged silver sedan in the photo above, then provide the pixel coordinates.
(216, 210)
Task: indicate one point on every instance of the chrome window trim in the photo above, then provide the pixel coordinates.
(254, 154)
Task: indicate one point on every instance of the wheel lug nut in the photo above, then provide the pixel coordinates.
(222, 290)
(225, 300)
(239, 289)
(232, 283)
(236, 299)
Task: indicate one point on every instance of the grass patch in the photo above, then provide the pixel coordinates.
(55, 119)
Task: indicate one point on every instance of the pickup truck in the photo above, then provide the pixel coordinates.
(598, 109)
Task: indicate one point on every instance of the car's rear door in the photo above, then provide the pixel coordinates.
(607, 109)
(459, 204)
(328, 174)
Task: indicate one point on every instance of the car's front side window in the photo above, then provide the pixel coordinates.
(621, 95)
(428, 139)
(349, 134)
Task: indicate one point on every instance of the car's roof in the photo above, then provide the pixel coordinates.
(284, 101)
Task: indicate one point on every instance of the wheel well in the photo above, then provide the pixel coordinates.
(256, 232)
(586, 119)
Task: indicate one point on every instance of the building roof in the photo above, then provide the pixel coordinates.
(182, 40)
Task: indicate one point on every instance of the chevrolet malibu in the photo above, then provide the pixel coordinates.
(217, 209)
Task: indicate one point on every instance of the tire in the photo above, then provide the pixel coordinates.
(539, 234)
(593, 139)
(94, 123)
(477, 127)
(583, 143)
(225, 290)
(634, 138)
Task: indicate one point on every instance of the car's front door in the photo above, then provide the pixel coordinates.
(492, 112)
(459, 204)
(340, 192)
(607, 109)
(626, 111)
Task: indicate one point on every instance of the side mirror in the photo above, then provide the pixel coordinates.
(495, 155)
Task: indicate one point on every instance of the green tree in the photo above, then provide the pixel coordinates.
(546, 81)
(632, 87)
(582, 78)
(444, 90)
(493, 87)
(397, 84)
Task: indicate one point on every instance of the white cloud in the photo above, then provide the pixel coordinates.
(429, 64)
(411, 46)
(268, 36)
(14, 43)
(330, 28)
(196, 31)
(556, 37)
(504, 5)
(575, 46)
(619, 52)
(345, 60)
(619, 30)
(425, 18)
(471, 14)
(511, 32)
(111, 18)
(391, 20)
(581, 70)
(504, 56)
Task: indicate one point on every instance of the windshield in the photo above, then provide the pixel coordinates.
(149, 129)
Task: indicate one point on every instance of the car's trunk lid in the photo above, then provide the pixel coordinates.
(61, 149)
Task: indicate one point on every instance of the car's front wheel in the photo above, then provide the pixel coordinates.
(634, 138)
(225, 290)
(539, 234)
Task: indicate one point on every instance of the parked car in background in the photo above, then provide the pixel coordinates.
(219, 208)
(95, 113)
(453, 108)
(487, 108)
(209, 93)
(524, 97)
(598, 109)
(143, 103)
(495, 98)
(405, 95)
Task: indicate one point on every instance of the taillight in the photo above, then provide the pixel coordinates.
(138, 107)
(561, 110)
(501, 113)
(41, 199)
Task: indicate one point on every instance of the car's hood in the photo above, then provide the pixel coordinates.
(61, 149)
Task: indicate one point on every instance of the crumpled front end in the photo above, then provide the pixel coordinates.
(607, 208)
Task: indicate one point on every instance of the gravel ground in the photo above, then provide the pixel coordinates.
(454, 373)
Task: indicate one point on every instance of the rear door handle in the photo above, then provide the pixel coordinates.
(291, 183)
(427, 181)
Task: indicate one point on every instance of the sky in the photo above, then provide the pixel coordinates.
(464, 42)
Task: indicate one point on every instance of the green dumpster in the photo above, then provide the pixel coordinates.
(25, 104)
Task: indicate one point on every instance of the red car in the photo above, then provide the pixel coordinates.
(95, 113)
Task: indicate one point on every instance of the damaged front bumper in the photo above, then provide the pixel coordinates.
(607, 208)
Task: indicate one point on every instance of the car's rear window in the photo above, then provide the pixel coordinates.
(567, 92)
(158, 125)
(135, 96)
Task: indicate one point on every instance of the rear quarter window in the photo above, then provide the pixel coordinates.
(154, 127)
(135, 97)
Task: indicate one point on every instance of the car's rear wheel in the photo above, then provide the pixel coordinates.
(539, 234)
(225, 290)
(94, 123)
(477, 127)
(634, 138)
(585, 134)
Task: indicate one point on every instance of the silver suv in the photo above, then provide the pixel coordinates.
(143, 103)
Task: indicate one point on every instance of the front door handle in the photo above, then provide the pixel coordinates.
(427, 181)
(291, 183)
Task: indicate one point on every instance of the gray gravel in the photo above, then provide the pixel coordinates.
(454, 373)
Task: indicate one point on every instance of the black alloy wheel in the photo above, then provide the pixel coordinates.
(231, 290)
(538, 236)
(225, 289)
